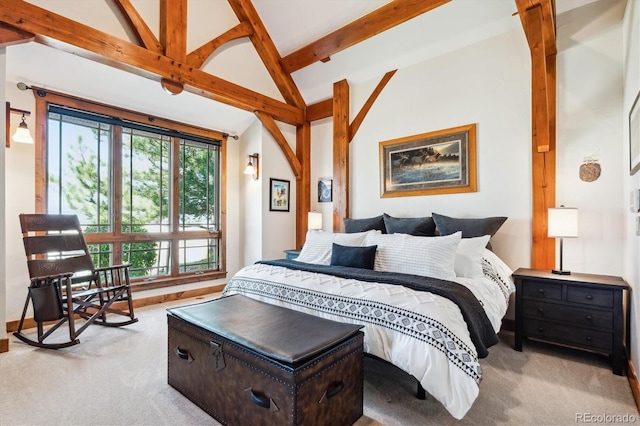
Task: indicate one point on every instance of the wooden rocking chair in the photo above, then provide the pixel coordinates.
(57, 256)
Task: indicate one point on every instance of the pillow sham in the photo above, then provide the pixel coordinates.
(472, 227)
(363, 225)
(419, 226)
(354, 257)
(408, 254)
(498, 268)
(468, 261)
(318, 245)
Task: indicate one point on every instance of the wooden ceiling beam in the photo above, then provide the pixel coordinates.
(388, 16)
(11, 35)
(268, 52)
(547, 8)
(138, 26)
(71, 36)
(199, 56)
(173, 36)
(355, 124)
(320, 110)
(269, 123)
(533, 19)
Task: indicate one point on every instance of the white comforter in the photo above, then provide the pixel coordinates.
(422, 333)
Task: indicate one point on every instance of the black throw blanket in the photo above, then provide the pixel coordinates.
(480, 329)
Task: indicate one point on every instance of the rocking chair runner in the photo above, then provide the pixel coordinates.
(57, 254)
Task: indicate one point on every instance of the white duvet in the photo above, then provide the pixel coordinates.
(420, 332)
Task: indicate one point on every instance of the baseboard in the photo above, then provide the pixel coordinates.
(137, 303)
(4, 345)
(634, 383)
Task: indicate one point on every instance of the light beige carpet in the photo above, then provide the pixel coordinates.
(119, 377)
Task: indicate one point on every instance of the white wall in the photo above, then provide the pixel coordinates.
(3, 259)
(487, 84)
(278, 227)
(321, 167)
(631, 242)
(589, 107)
(251, 207)
(20, 198)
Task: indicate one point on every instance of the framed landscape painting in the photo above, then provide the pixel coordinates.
(440, 162)
(279, 195)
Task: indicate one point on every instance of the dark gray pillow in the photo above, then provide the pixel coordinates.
(470, 228)
(419, 226)
(354, 257)
(363, 225)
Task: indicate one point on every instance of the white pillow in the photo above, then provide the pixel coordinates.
(469, 256)
(500, 269)
(318, 245)
(408, 254)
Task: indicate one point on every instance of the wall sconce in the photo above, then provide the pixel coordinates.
(22, 134)
(252, 166)
(314, 220)
(562, 223)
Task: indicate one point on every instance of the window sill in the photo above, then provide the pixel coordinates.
(162, 282)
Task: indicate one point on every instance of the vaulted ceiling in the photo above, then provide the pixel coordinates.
(233, 40)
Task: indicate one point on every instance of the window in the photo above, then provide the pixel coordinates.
(148, 195)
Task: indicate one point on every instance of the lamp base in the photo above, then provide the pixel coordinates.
(561, 272)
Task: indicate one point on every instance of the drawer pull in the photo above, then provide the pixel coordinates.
(184, 354)
(541, 290)
(541, 310)
(541, 329)
(588, 338)
(589, 296)
(589, 318)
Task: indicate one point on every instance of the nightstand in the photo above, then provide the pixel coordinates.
(584, 311)
(291, 254)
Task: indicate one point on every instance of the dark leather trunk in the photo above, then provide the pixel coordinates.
(297, 369)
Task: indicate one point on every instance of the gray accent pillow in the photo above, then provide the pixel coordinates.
(474, 227)
(354, 257)
(363, 225)
(418, 226)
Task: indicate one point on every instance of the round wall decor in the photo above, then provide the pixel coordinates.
(589, 171)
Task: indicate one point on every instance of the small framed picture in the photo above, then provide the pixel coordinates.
(325, 194)
(278, 195)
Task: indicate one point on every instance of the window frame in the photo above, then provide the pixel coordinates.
(175, 235)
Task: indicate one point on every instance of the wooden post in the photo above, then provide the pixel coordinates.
(340, 154)
(303, 184)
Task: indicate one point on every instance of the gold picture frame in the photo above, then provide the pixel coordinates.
(440, 162)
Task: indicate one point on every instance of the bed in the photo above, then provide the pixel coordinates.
(431, 306)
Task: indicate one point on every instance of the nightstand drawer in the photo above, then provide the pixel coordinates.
(542, 290)
(583, 337)
(578, 316)
(590, 296)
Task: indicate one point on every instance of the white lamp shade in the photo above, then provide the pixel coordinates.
(250, 170)
(563, 222)
(314, 220)
(22, 134)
